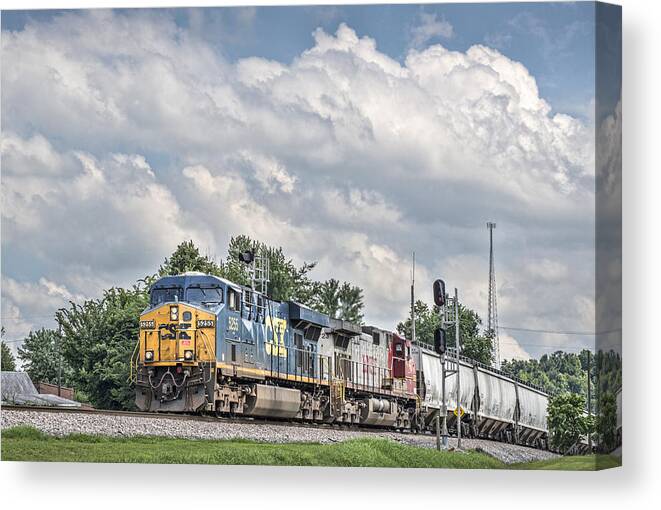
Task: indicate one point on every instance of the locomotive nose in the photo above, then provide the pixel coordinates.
(177, 333)
(176, 357)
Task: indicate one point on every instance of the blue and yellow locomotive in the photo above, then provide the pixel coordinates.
(209, 345)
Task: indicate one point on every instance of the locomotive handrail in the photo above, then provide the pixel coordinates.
(309, 370)
(372, 378)
(134, 361)
(206, 346)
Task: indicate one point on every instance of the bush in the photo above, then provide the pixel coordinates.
(567, 421)
(606, 424)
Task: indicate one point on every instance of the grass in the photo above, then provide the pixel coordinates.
(573, 463)
(24, 443)
(29, 444)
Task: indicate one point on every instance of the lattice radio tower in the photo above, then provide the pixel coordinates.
(492, 315)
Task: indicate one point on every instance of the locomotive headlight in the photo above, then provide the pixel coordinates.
(149, 355)
(188, 355)
(174, 313)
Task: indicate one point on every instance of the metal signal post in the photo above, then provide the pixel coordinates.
(444, 409)
(440, 300)
(457, 348)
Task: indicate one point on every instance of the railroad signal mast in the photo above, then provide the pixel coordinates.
(492, 314)
(449, 315)
(259, 268)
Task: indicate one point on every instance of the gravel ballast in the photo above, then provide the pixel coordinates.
(61, 424)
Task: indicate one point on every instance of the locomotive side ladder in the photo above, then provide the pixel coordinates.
(337, 389)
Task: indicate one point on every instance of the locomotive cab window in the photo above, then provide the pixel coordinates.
(233, 300)
(166, 295)
(205, 295)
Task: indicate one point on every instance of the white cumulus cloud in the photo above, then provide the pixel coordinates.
(124, 134)
(430, 27)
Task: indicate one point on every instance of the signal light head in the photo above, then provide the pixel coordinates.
(247, 256)
(439, 292)
(440, 341)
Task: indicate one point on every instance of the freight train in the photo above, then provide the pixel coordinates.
(208, 345)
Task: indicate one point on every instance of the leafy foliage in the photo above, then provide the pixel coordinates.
(606, 423)
(426, 322)
(473, 344)
(340, 301)
(557, 373)
(187, 257)
(8, 361)
(40, 354)
(478, 347)
(566, 421)
(608, 371)
(99, 338)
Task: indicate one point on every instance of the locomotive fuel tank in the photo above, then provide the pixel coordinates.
(273, 401)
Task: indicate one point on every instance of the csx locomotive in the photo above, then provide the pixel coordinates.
(210, 345)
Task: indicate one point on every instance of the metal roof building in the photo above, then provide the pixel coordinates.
(17, 388)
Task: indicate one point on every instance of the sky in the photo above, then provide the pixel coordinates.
(350, 136)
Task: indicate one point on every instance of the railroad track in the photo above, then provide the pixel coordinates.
(201, 418)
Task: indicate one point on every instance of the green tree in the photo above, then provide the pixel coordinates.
(340, 301)
(187, 257)
(8, 363)
(608, 371)
(99, 337)
(559, 372)
(473, 344)
(426, 322)
(566, 421)
(40, 356)
(479, 348)
(606, 422)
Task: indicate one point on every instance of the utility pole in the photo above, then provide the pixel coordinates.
(492, 315)
(458, 348)
(589, 403)
(413, 309)
(59, 357)
(413, 338)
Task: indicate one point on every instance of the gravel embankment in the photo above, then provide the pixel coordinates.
(61, 424)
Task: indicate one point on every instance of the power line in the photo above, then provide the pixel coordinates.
(546, 346)
(560, 332)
